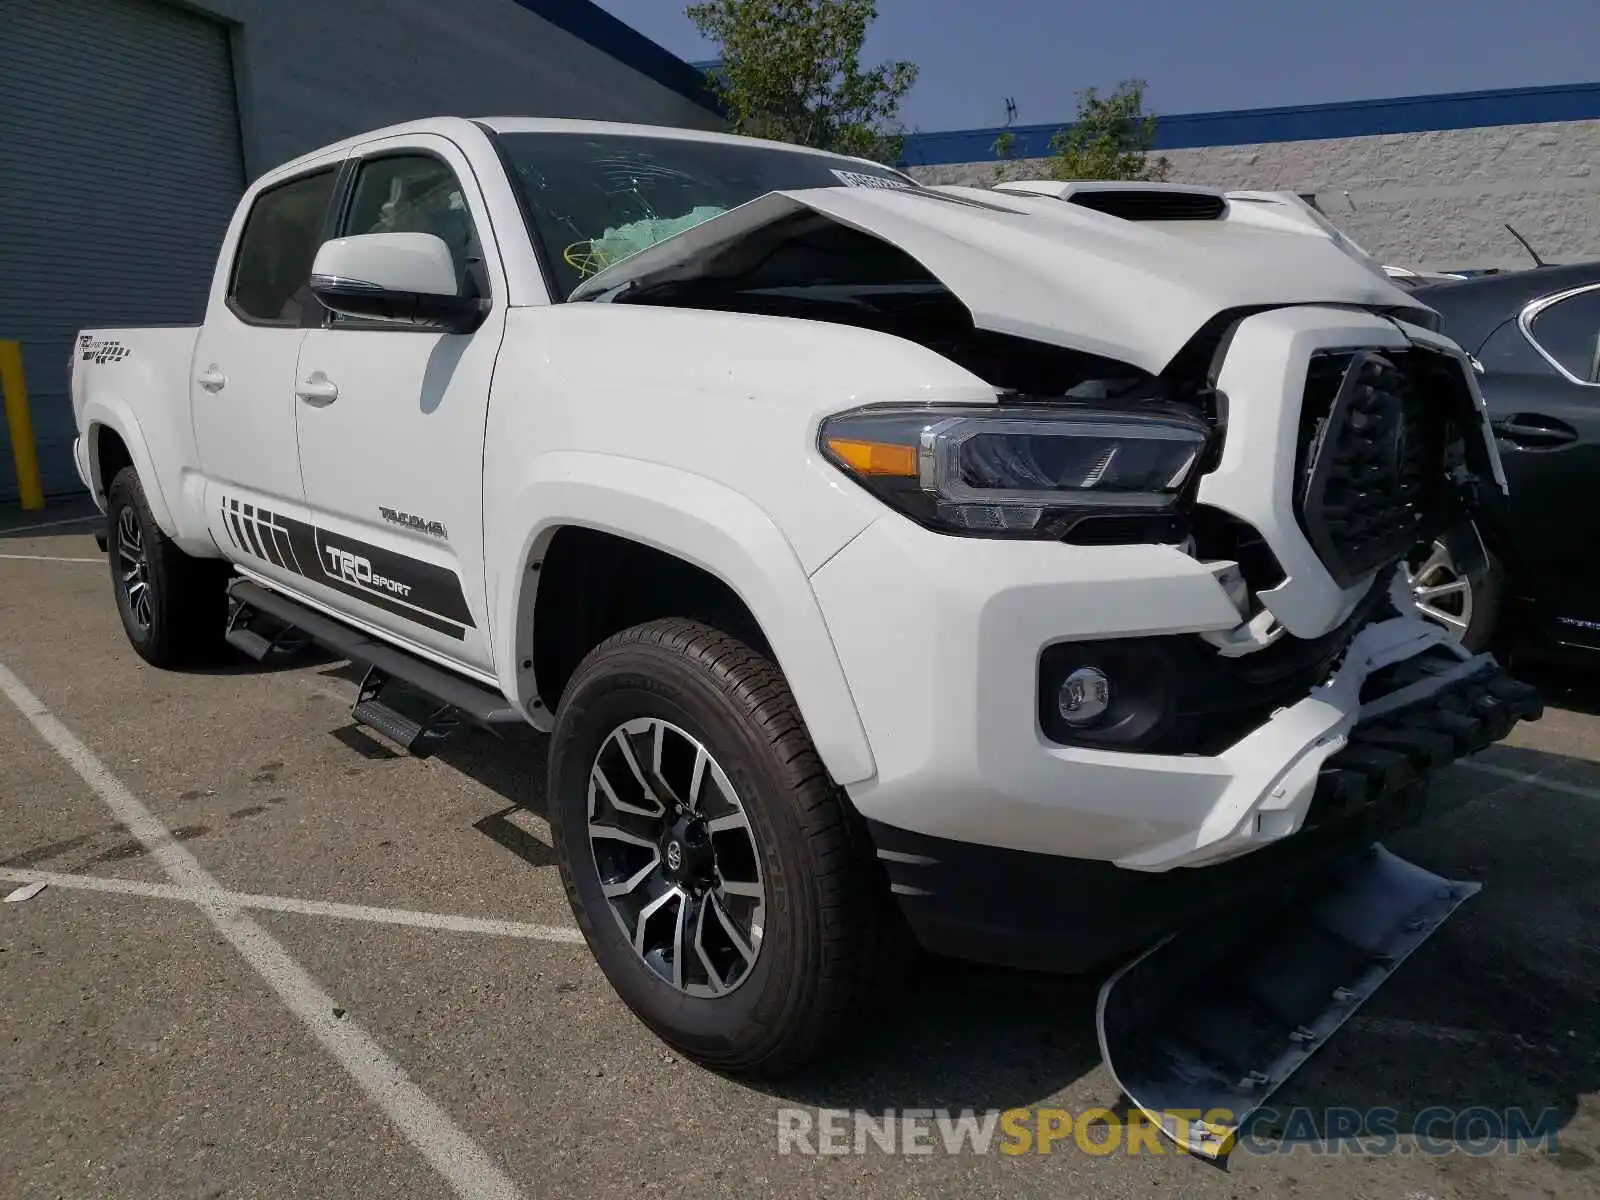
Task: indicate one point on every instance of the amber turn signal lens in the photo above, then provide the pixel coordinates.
(876, 458)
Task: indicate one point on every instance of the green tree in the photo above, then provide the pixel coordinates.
(791, 71)
(1111, 138)
(1005, 149)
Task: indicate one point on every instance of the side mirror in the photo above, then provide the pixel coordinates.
(399, 278)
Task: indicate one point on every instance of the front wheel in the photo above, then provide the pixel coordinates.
(724, 885)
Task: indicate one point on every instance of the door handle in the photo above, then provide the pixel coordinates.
(1534, 430)
(318, 389)
(212, 378)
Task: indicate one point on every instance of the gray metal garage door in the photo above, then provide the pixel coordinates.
(119, 169)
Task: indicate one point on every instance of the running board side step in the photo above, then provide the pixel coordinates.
(1203, 1027)
(259, 635)
(453, 697)
(419, 734)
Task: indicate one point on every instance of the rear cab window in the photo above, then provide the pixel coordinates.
(270, 282)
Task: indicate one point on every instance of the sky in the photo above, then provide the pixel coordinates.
(1196, 55)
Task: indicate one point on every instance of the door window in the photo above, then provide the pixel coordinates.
(271, 281)
(1569, 332)
(417, 193)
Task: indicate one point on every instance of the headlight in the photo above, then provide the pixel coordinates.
(1017, 470)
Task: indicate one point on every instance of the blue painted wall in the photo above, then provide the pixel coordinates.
(627, 45)
(1310, 122)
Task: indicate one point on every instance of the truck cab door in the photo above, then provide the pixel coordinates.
(242, 376)
(391, 420)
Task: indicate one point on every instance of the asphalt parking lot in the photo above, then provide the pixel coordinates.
(274, 958)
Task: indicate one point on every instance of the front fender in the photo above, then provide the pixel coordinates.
(701, 522)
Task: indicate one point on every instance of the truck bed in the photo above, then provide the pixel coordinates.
(144, 371)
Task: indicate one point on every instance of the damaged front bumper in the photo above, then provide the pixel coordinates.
(1004, 846)
(1059, 913)
(944, 643)
(1406, 701)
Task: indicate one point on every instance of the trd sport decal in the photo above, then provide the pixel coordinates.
(418, 591)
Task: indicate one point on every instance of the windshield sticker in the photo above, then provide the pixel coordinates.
(857, 179)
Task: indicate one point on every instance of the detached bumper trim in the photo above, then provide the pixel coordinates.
(1390, 756)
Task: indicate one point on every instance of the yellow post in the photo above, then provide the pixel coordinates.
(18, 420)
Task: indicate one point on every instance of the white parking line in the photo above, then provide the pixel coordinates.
(50, 558)
(51, 524)
(465, 1165)
(1533, 777)
(290, 904)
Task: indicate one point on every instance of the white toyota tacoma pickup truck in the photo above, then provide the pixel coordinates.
(1016, 572)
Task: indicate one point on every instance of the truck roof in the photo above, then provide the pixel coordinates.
(455, 126)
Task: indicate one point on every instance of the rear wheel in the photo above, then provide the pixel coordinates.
(173, 607)
(724, 884)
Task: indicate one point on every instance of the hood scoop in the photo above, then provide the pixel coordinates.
(1153, 205)
(1131, 201)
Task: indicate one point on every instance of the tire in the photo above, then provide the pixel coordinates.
(179, 615)
(829, 935)
(1488, 596)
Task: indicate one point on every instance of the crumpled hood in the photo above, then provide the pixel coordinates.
(1038, 267)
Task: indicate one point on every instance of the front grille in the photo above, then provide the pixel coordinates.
(1371, 461)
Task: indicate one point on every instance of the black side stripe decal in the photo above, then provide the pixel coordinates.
(418, 591)
(248, 514)
(263, 534)
(280, 543)
(238, 530)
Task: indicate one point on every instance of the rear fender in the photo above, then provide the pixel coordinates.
(111, 413)
(703, 523)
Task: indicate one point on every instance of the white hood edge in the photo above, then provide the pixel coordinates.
(1038, 268)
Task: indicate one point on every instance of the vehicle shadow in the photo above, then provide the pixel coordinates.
(509, 762)
(1570, 689)
(1493, 1013)
(225, 660)
(973, 1037)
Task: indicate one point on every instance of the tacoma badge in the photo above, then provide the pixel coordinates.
(410, 521)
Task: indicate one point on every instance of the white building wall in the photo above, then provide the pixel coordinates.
(1431, 200)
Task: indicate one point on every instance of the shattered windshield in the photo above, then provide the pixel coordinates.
(594, 199)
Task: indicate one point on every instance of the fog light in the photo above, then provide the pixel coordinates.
(1085, 695)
